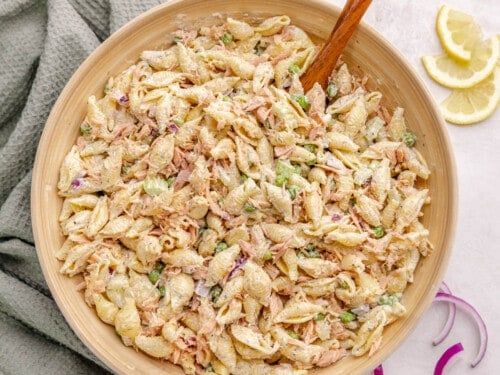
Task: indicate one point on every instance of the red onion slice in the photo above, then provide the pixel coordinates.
(450, 320)
(445, 358)
(379, 370)
(469, 309)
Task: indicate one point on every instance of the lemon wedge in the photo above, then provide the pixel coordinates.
(468, 106)
(446, 71)
(458, 33)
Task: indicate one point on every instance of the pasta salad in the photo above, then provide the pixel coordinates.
(226, 221)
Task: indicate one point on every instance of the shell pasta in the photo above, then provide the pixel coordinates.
(227, 221)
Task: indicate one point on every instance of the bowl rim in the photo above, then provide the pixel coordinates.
(125, 29)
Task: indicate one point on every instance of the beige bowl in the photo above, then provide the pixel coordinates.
(367, 52)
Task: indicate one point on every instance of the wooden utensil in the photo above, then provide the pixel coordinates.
(325, 61)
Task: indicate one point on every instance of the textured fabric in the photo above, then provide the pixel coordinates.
(42, 42)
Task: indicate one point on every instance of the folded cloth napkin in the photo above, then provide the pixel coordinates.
(42, 42)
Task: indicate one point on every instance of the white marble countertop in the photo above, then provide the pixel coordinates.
(474, 269)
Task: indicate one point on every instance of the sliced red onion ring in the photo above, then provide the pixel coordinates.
(450, 320)
(379, 370)
(445, 358)
(239, 263)
(469, 309)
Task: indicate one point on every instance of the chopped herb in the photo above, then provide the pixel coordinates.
(177, 39)
(215, 293)
(293, 191)
(162, 290)
(248, 207)
(346, 317)
(311, 148)
(210, 368)
(293, 334)
(331, 90)
(178, 121)
(311, 251)
(244, 177)
(352, 202)
(294, 69)
(302, 100)
(267, 256)
(379, 232)
(319, 316)
(227, 38)
(85, 129)
(221, 246)
(226, 98)
(410, 139)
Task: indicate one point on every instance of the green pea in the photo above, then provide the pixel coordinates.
(248, 207)
(221, 246)
(311, 162)
(388, 299)
(302, 100)
(159, 267)
(343, 285)
(410, 139)
(283, 168)
(281, 180)
(161, 289)
(154, 276)
(227, 38)
(347, 316)
(215, 293)
(267, 256)
(297, 170)
(331, 90)
(311, 148)
(379, 231)
(294, 69)
(85, 129)
(319, 317)
(170, 181)
(312, 252)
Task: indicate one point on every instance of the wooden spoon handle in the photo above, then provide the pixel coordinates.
(325, 61)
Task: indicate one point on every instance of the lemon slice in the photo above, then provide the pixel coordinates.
(458, 33)
(446, 71)
(468, 106)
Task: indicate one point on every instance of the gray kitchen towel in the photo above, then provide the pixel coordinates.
(42, 42)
